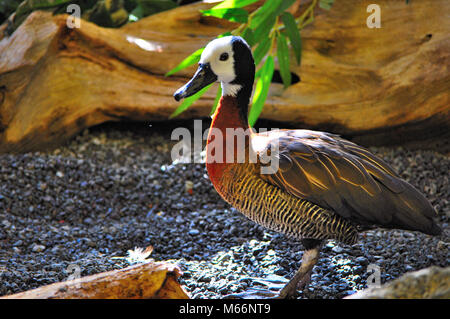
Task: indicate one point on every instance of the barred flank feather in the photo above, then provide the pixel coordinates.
(275, 209)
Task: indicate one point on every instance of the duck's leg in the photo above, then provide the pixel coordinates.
(303, 274)
(299, 281)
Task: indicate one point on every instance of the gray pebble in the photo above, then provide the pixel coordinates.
(38, 248)
(337, 249)
(194, 232)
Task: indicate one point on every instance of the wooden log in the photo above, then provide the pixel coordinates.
(429, 283)
(156, 280)
(378, 85)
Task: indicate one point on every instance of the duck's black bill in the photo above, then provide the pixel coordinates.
(203, 77)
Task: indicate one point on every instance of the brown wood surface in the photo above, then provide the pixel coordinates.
(148, 280)
(381, 85)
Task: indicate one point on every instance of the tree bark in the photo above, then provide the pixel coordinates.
(387, 85)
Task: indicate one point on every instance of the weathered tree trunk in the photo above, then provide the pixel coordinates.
(142, 281)
(386, 85)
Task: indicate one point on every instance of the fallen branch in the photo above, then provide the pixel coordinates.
(156, 280)
(390, 84)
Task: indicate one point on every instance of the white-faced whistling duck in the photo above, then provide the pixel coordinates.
(325, 187)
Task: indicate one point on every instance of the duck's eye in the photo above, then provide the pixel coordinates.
(223, 56)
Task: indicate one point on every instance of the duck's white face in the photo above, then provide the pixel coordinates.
(227, 60)
(220, 56)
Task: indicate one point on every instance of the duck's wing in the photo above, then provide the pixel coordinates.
(346, 178)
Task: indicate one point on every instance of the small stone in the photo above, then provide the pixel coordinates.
(6, 223)
(337, 249)
(38, 248)
(91, 243)
(55, 249)
(194, 232)
(179, 220)
(271, 252)
(441, 245)
(205, 278)
(362, 261)
(18, 243)
(234, 230)
(330, 244)
(358, 270)
(88, 221)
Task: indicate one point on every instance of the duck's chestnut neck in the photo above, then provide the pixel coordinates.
(229, 115)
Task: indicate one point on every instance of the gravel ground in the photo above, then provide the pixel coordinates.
(114, 188)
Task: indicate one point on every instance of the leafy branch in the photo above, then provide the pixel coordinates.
(268, 25)
(105, 13)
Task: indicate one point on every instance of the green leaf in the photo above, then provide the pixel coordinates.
(138, 12)
(326, 4)
(216, 100)
(283, 6)
(230, 14)
(269, 10)
(294, 34)
(261, 90)
(248, 36)
(261, 50)
(234, 4)
(283, 60)
(190, 60)
(262, 30)
(264, 12)
(264, 20)
(188, 101)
